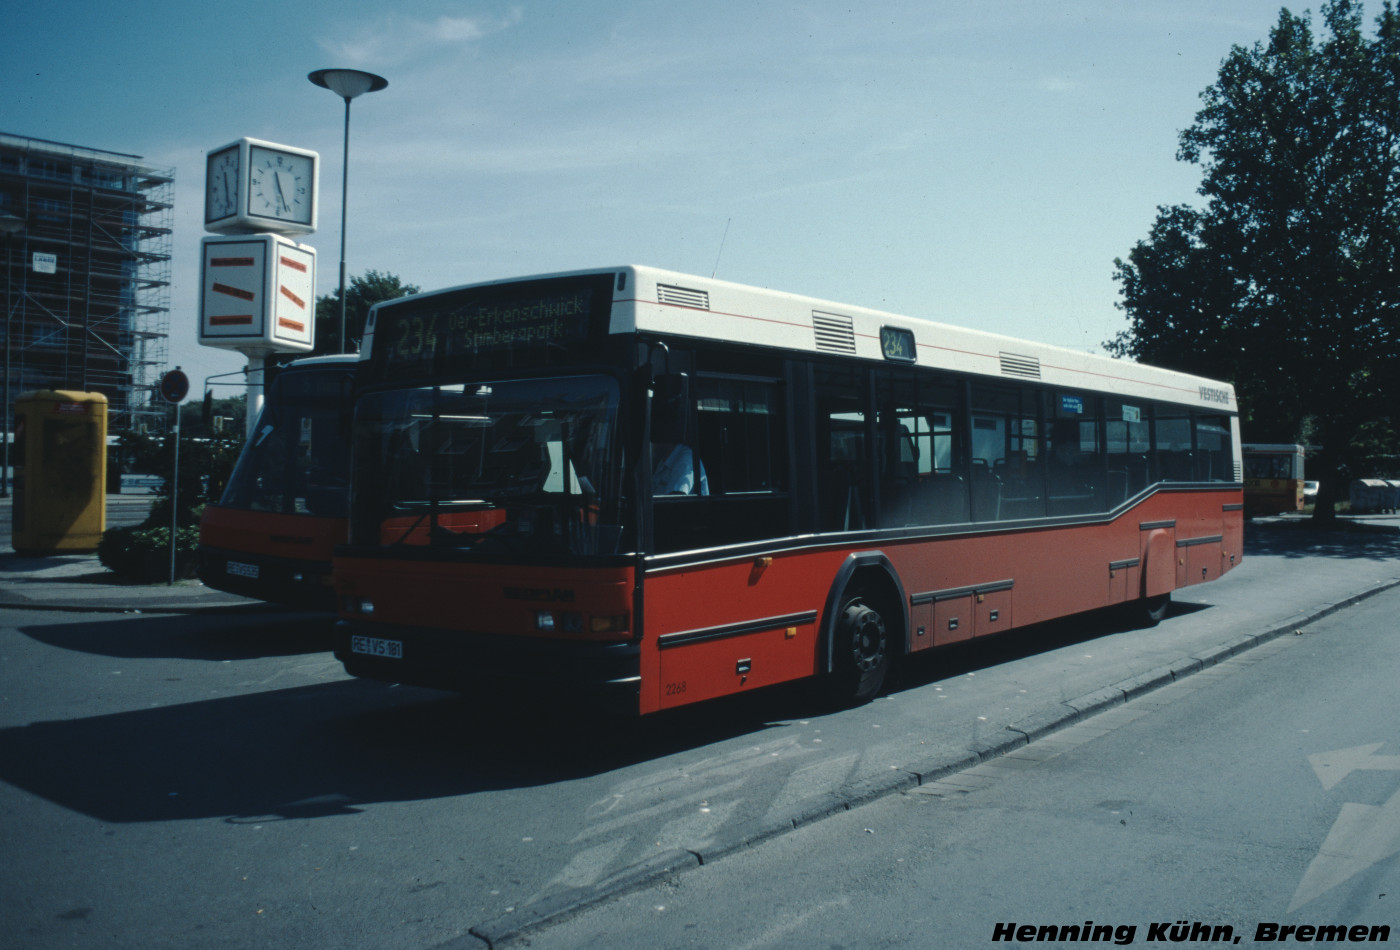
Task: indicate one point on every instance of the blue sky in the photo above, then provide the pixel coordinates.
(976, 163)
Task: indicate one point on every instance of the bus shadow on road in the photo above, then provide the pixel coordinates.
(333, 748)
(1021, 642)
(243, 634)
(322, 749)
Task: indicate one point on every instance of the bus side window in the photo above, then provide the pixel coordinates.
(844, 488)
(922, 467)
(1175, 460)
(1008, 471)
(1214, 456)
(1076, 461)
(733, 474)
(741, 435)
(1129, 442)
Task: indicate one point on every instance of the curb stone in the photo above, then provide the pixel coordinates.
(1098, 700)
(995, 748)
(1136, 686)
(1051, 720)
(1184, 667)
(935, 769)
(505, 929)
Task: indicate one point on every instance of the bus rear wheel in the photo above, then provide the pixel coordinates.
(861, 652)
(1151, 611)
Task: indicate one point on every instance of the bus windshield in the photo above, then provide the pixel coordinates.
(493, 469)
(296, 458)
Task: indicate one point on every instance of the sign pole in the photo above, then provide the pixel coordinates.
(174, 387)
(257, 372)
(175, 497)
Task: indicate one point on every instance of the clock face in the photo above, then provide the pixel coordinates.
(221, 185)
(253, 187)
(279, 185)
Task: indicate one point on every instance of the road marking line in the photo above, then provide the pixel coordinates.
(1362, 836)
(1332, 767)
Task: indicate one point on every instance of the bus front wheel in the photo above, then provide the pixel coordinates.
(861, 652)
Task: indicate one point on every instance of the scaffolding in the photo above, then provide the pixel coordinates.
(87, 273)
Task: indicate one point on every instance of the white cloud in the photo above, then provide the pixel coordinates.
(1058, 84)
(449, 29)
(396, 39)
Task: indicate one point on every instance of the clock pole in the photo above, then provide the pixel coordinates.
(348, 84)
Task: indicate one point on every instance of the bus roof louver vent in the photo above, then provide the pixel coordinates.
(835, 333)
(1027, 367)
(683, 296)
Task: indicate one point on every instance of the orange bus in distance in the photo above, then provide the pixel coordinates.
(1273, 478)
(284, 509)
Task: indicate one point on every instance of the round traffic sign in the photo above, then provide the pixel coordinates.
(174, 385)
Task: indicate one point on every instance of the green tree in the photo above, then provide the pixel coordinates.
(361, 293)
(1286, 282)
(214, 417)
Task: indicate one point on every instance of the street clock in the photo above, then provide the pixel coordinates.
(252, 186)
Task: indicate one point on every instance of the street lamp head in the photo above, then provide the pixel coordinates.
(11, 224)
(348, 83)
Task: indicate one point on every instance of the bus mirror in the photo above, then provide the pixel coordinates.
(670, 408)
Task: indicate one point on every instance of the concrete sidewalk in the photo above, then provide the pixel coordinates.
(80, 582)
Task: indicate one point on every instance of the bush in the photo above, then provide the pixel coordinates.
(141, 553)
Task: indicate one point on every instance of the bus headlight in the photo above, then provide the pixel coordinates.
(566, 622)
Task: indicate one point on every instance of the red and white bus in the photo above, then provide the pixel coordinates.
(681, 488)
(285, 506)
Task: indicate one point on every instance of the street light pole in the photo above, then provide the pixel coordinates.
(348, 84)
(10, 225)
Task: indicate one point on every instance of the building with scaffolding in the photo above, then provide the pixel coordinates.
(88, 237)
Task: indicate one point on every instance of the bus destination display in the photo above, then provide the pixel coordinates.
(454, 329)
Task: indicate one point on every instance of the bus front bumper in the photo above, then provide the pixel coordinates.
(463, 661)
(283, 580)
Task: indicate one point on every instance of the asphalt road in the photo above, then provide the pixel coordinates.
(215, 780)
(1259, 795)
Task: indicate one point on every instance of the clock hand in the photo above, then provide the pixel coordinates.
(277, 178)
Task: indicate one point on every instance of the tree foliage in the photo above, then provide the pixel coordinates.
(1285, 283)
(361, 294)
(214, 417)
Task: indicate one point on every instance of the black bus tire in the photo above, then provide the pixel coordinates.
(860, 652)
(1151, 611)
